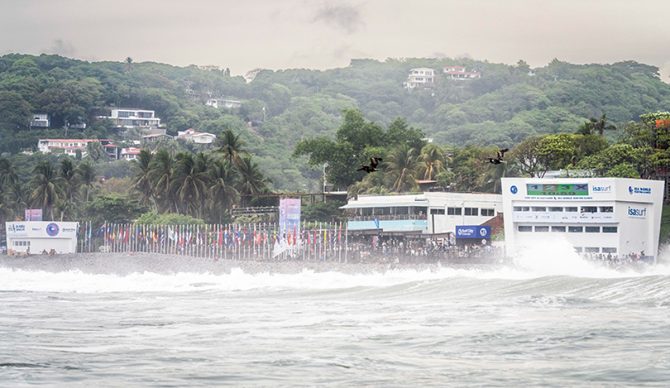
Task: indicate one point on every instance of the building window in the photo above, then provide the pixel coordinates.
(575, 229)
(525, 228)
(578, 249)
(607, 209)
(521, 208)
(471, 211)
(571, 209)
(610, 229)
(541, 228)
(589, 209)
(592, 229)
(608, 250)
(436, 211)
(454, 211)
(591, 249)
(488, 212)
(555, 209)
(539, 209)
(558, 228)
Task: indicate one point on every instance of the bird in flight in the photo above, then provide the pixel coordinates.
(374, 162)
(499, 156)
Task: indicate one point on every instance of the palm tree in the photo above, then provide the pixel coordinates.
(7, 173)
(252, 181)
(86, 176)
(431, 161)
(401, 169)
(232, 147)
(70, 179)
(594, 126)
(46, 187)
(142, 180)
(222, 192)
(190, 184)
(161, 175)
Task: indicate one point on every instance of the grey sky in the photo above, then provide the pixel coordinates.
(279, 34)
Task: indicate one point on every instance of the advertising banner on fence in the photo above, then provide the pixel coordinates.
(473, 231)
(289, 217)
(33, 215)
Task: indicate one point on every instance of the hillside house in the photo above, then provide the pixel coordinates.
(460, 73)
(421, 77)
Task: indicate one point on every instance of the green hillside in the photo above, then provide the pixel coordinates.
(280, 108)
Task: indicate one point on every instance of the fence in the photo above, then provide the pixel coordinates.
(323, 241)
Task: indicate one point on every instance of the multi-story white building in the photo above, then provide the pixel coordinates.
(191, 135)
(460, 73)
(428, 213)
(133, 118)
(40, 120)
(71, 146)
(224, 103)
(420, 77)
(609, 216)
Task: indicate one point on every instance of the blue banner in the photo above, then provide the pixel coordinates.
(473, 231)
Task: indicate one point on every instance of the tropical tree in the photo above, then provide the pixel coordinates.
(596, 126)
(161, 176)
(251, 180)
(431, 161)
(86, 177)
(231, 146)
(222, 194)
(190, 183)
(46, 188)
(142, 180)
(401, 169)
(69, 179)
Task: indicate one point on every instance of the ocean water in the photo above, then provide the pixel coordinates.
(548, 320)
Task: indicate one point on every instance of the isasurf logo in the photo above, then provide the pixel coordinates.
(637, 212)
(514, 189)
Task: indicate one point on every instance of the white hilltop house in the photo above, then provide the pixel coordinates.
(226, 103)
(133, 118)
(40, 120)
(421, 77)
(460, 73)
(191, 135)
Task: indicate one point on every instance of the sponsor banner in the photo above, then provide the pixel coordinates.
(557, 190)
(289, 216)
(33, 215)
(473, 232)
(42, 229)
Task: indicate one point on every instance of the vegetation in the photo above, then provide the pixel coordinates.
(293, 125)
(281, 108)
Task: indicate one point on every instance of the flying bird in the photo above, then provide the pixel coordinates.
(499, 156)
(374, 162)
(501, 153)
(367, 169)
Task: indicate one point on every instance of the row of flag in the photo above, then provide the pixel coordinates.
(213, 240)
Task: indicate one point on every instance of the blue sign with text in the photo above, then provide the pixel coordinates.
(473, 231)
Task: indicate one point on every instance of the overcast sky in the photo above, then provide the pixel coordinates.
(280, 34)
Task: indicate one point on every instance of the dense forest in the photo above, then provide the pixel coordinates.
(507, 105)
